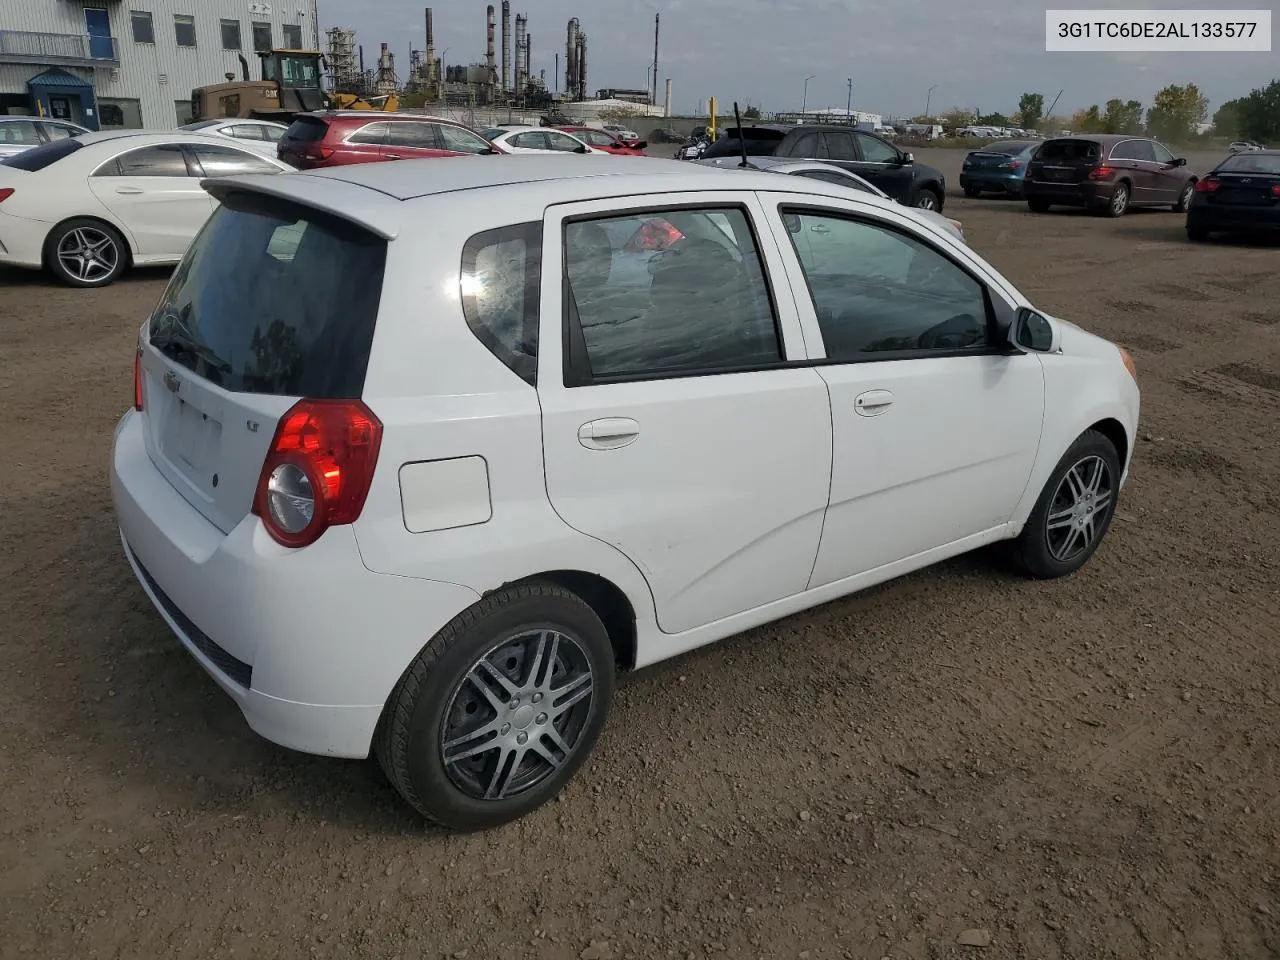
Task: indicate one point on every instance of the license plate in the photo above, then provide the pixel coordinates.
(192, 438)
(1059, 174)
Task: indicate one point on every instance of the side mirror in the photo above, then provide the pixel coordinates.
(1032, 331)
(1180, 162)
(907, 158)
(581, 150)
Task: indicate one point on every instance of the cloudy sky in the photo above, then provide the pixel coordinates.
(974, 53)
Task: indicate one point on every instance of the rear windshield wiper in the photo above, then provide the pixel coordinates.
(176, 346)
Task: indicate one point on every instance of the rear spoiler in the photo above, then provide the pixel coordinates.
(376, 212)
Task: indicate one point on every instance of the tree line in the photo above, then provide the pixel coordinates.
(1175, 114)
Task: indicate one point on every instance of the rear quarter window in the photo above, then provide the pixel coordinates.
(37, 158)
(274, 298)
(501, 282)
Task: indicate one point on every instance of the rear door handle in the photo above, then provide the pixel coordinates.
(129, 191)
(608, 433)
(392, 156)
(873, 402)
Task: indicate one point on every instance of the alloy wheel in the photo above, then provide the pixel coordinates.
(88, 254)
(927, 201)
(1119, 200)
(1079, 507)
(518, 715)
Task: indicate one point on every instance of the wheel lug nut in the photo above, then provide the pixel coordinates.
(522, 738)
(515, 702)
(506, 728)
(540, 718)
(537, 698)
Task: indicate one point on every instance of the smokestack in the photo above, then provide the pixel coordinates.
(506, 45)
(571, 59)
(528, 60)
(582, 66)
(667, 107)
(488, 50)
(654, 99)
(519, 54)
(431, 49)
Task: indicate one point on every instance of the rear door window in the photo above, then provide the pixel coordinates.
(840, 145)
(246, 131)
(274, 298)
(501, 282)
(370, 133)
(162, 160)
(58, 131)
(219, 161)
(19, 133)
(408, 133)
(809, 146)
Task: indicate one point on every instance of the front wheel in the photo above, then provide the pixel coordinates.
(972, 192)
(500, 709)
(85, 253)
(1037, 206)
(928, 199)
(1074, 510)
(1197, 234)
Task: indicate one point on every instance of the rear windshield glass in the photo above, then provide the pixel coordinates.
(1068, 151)
(1264, 163)
(307, 130)
(274, 298)
(37, 158)
(1010, 148)
(760, 143)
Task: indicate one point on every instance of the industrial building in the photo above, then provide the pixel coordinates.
(110, 64)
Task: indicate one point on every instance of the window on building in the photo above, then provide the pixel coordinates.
(261, 37)
(230, 34)
(120, 114)
(182, 108)
(292, 36)
(144, 31)
(184, 29)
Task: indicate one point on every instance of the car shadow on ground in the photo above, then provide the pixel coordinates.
(15, 277)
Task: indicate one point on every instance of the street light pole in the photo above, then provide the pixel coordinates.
(849, 107)
(928, 99)
(804, 101)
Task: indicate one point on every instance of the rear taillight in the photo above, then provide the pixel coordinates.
(318, 153)
(1207, 186)
(5, 193)
(137, 379)
(1014, 165)
(1101, 172)
(318, 470)
(1275, 189)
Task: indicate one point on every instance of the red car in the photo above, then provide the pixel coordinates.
(340, 137)
(607, 142)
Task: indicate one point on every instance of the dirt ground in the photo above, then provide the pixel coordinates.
(1087, 768)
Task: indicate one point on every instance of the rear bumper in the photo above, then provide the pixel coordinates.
(1212, 216)
(979, 180)
(22, 241)
(1087, 194)
(308, 643)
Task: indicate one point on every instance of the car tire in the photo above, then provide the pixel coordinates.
(1184, 198)
(1037, 206)
(1118, 205)
(928, 199)
(1197, 234)
(972, 192)
(1050, 544)
(84, 252)
(503, 643)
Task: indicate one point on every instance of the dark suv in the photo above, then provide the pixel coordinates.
(340, 137)
(870, 157)
(1107, 173)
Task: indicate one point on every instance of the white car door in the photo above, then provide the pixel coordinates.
(935, 428)
(157, 197)
(673, 426)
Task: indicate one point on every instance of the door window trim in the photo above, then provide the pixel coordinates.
(575, 367)
(381, 141)
(999, 311)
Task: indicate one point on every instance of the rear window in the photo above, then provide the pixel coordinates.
(274, 298)
(37, 158)
(1068, 151)
(1263, 163)
(501, 282)
(1010, 148)
(760, 143)
(307, 130)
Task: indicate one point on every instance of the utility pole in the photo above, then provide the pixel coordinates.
(849, 107)
(653, 100)
(804, 100)
(928, 98)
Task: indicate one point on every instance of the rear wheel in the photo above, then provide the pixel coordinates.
(500, 709)
(1184, 198)
(972, 192)
(1074, 510)
(1037, 205)
(1197, 234)
(928, 199)
(85, 253)
(1119, 204)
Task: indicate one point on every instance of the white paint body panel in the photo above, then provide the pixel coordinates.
(743, 498)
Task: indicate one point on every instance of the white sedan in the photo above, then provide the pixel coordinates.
(89, 207)
(542, 140)
(260, 136)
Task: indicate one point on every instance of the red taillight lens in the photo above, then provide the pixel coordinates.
(1101, 173)
(137, 379)
(1015, 164)
(1275, 189)
(318, 471)
(1207, 186)
(319, 153)
(5, 193)
(653, 235)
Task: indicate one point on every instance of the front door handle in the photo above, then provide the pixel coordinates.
(872, 403)
(128, 191)
(392, 156)
(608, 433)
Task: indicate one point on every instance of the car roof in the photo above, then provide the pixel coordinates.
(1103, 138)
(371, 194)
(142, 137)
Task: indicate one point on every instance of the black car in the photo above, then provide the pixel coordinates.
(1108, 174)
(870, 157)
(1239, 195)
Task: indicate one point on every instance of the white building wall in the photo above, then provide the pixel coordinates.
(158, 75)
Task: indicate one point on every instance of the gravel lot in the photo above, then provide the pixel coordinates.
(1088, 768)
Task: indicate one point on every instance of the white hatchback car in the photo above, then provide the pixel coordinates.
(543, 140)
(89, 207)
(260, 136)
(422, 453)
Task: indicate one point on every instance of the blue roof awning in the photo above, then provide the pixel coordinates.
(57, 77)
